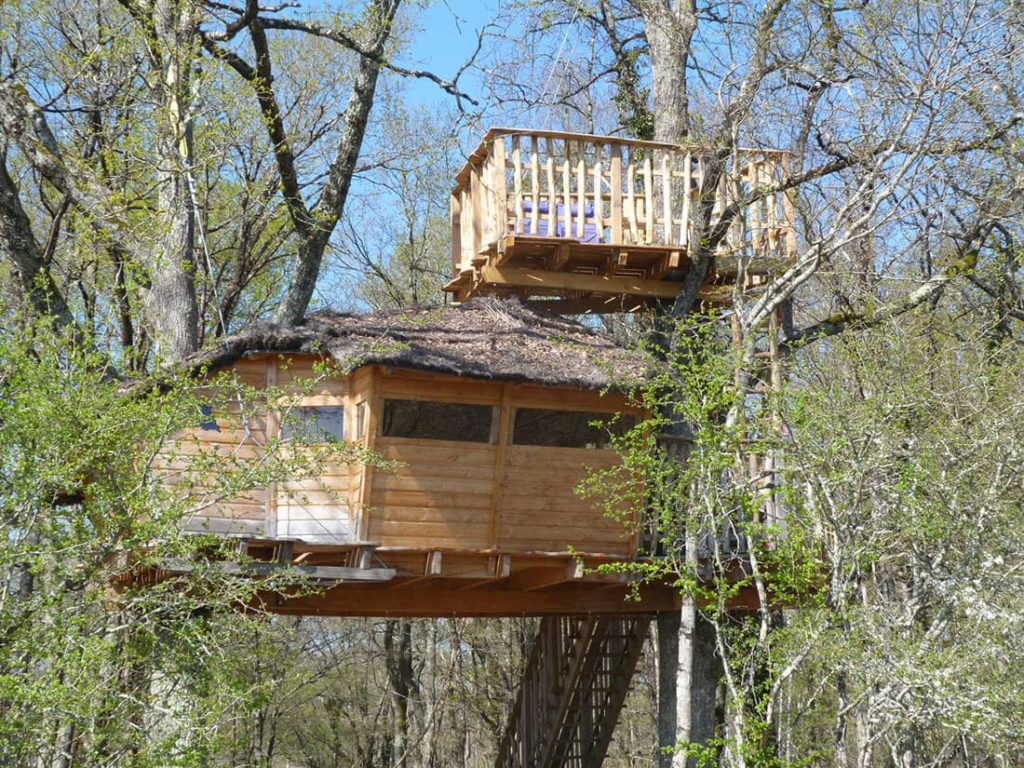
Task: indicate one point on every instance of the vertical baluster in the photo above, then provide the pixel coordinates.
(581, 191)
(754, 213)
(534, 185)
(789, 212)
(474, 209)
(616, 182)
(566, 192)
(455, 221)
(649, 198)
(634, 232)
(598, 193)
(517, 182)
(666, 197)
(684, 227)
(770, 175)
(549, 167)
(500, 192)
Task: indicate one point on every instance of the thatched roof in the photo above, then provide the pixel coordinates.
(486, 339)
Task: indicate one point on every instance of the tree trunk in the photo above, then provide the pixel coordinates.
(669, 26)
(171, 299)
(689, 671)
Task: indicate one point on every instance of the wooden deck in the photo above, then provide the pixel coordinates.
(583, 223)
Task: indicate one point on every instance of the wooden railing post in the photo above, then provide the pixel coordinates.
(581, 191)
(616, 182)
(458, 259)
(534, 186)
(552, 197)
(517, 182)
(500, 192)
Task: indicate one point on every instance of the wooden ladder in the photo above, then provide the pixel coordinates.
(572, 691)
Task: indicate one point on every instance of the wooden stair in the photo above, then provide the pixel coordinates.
(572, 691)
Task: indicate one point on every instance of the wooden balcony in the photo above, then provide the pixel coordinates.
(579, 223)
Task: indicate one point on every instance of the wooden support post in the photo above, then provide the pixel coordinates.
(500, 451)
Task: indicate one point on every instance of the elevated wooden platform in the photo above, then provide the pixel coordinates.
(365, 580)
(582, 223)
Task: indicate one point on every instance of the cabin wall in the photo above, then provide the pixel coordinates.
(322, 509)
(494, 495)
(240, 436)
(447, 494)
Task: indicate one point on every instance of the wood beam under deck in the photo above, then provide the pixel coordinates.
(570, 277)
(360, 580)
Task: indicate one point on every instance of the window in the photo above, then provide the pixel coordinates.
(567, 429)
(437, 421)
(208, 424)
(314, 424)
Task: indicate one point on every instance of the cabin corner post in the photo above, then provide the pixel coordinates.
(273, 431)
(374, 403)
(500, 458)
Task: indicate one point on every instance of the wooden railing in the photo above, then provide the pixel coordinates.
(613, 191)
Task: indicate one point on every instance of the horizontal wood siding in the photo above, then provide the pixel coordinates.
(321, 509)
(239, 440)
(540, 510)
(439, 498)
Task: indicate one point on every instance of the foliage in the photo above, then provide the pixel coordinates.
(98, 664)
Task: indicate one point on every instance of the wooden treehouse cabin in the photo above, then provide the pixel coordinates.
(485, 414)
(575, 223)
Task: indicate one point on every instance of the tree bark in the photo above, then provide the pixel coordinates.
(171, 298)
(20, 249)
(669, 26)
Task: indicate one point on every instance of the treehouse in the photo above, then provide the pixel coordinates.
(576, 223)
(485, 414)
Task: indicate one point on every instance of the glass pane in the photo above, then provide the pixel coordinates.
(209, 423)
(314, 423)
(437, 421)
(567, 429)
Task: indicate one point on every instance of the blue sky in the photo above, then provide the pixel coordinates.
(446, 37)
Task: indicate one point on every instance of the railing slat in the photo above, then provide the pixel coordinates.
(754, 214)
(581, 192)
(631, 199)
(684, 227)
(500, 191)
(789, 211)
(534, 185)
(616, 182)
(567, 193)
(666, 197)
(598, 201)
(517, 173)
(649, 199)
(549, 164)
